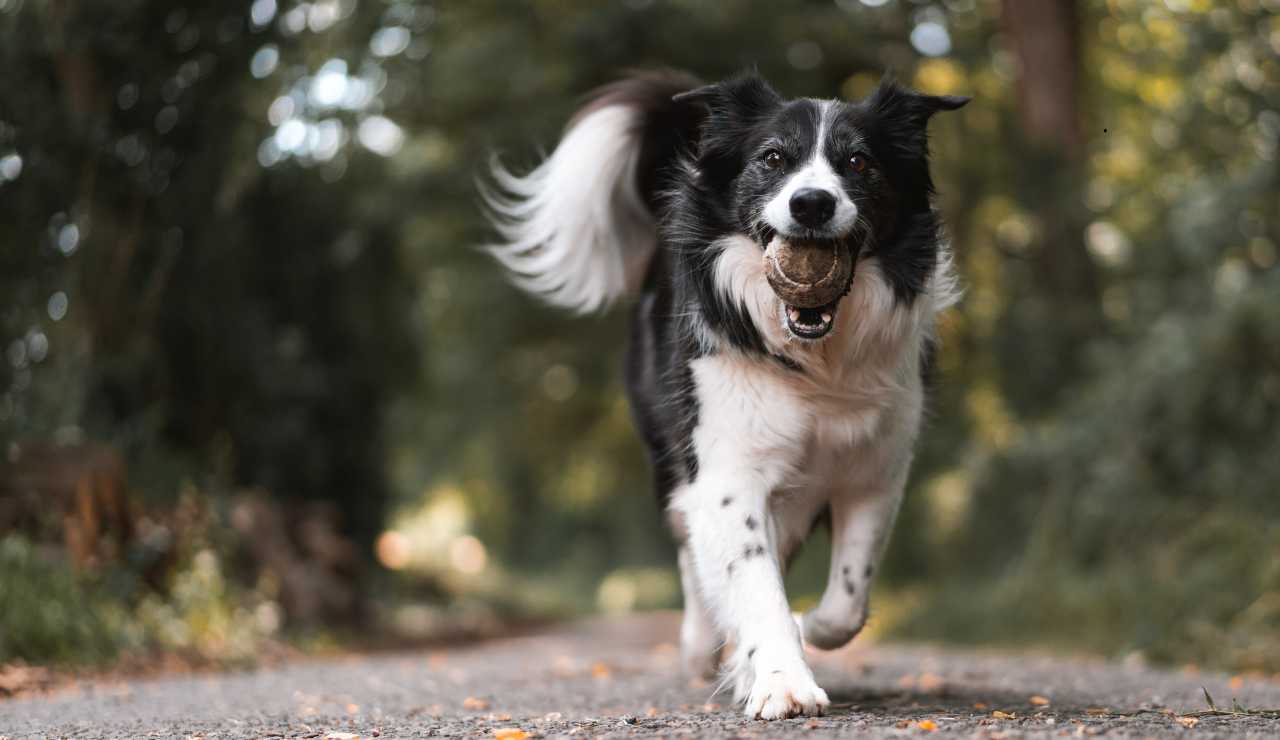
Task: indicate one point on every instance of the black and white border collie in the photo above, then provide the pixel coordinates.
(765, 409)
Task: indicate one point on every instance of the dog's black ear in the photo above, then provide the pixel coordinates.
(744, 96)
(903, 105)
(903, 116)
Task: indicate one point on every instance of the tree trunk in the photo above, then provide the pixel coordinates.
(1055, 311)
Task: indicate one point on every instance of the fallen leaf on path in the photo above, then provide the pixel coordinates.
(1188, 722)
(1097, 711)
(600, 670)
(651, 712)
(1039, 701)
(1003, 715)
(472, 702)
(981, 706)
(927, 725)
(342, 736)
(811, 725)
(930, 682)
(1236, 683)
(353, 709)
(709, 707)
(510, 733)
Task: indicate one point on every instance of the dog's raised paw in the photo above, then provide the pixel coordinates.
(786, 693)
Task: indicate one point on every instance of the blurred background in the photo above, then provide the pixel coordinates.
(260, 393)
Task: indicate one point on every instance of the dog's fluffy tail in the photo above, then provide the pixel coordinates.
(579, 229)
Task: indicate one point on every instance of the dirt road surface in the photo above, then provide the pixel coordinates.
(620, 678)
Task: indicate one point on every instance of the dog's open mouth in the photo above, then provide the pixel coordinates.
(809, 277)
(810, 323)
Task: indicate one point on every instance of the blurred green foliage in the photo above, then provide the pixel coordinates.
(236, 243)
(52, 614)
(48, 615)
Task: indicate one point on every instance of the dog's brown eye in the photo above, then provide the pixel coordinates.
(772, 159)
(858, 163)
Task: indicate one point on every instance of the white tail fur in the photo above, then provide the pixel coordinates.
(577, 231)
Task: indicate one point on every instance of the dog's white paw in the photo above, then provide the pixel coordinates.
(786, 693)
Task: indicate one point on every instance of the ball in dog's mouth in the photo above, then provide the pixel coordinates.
(810, 278)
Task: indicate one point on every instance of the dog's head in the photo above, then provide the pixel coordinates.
(816, 183)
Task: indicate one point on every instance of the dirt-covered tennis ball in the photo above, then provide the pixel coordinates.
(807, 274)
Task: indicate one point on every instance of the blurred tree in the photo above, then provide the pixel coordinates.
(222, 322)
(1062, 287)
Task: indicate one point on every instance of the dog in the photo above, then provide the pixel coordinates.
(789, 266)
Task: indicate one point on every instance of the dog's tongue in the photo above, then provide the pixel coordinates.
(807, 274)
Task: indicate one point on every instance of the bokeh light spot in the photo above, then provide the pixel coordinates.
(261, 12)
(380, 135)
(10, 167)
(57, 306)
(264, 61)
(388, 42)
(68, 239)
(468, 555)
(931, 39)
(392, 550)
(804, 55)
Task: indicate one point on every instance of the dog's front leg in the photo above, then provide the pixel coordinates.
(864, 502)
(731, 540)
(749, 437)
(860, 526)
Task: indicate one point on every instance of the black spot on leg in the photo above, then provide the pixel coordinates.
(845, 571)
(866, 572)
(726, 500)
(849, 588)
(751, 653)
(731, 565)
(759, 549)
(751, 522)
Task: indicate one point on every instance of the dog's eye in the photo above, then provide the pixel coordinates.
(772, 159)
(858, 162)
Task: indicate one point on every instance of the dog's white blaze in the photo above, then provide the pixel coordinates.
(577, 230)
(816, 173)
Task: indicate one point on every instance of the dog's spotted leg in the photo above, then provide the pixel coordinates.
(745, 442)
(864, 503)
(859, 530)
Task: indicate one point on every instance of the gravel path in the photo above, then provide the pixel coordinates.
(616, 678)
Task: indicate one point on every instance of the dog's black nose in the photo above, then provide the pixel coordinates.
(812, 207)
